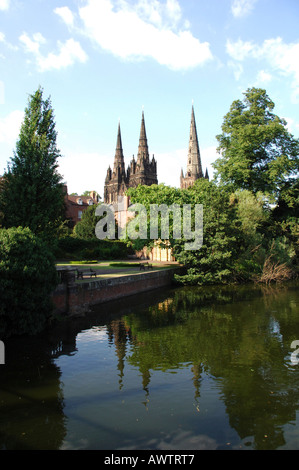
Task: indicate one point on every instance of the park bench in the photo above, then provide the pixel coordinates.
(144, 266)
(85, 272)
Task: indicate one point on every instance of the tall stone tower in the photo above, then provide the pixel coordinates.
(194, 168)
(116, 178)
(142, 171)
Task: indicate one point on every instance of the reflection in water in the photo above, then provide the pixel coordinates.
(189, 368)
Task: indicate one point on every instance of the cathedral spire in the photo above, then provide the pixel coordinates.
(119, 161)
(143, 147)
(194, 168)
(194, 161)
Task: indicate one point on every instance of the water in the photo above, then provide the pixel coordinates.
(177, 369)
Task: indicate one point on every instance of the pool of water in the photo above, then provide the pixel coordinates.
(173, 369)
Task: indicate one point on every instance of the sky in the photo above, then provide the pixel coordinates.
(104, 61)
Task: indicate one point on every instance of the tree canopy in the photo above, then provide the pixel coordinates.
(32, 190)
(257, 152)
(27, 278)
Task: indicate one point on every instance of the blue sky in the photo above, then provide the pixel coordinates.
(102, 61)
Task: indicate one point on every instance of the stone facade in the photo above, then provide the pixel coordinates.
(142, 171)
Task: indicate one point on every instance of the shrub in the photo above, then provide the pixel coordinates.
(27, 278)
(71, 248)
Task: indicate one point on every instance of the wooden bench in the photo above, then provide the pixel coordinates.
(85, 272)
(144, 266)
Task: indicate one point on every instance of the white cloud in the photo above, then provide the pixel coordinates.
(264, 77)
(10, 127)
(242, 8)
(84, 171)
(239, 50)
(32, 45)
(157, 13)
(4, 4)
(237, 69)
(292, 126)
(68, 54)
(66, 14)
(281, 57)
(147, 30)
(7, 44)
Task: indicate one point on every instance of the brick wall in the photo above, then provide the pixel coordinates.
(76, 297)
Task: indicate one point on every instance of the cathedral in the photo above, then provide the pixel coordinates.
(143, 170)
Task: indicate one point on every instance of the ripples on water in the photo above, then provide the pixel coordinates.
(184, 369)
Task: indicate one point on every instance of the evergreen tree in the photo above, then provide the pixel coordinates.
(27, 279)
(32, 191)
(86, 227)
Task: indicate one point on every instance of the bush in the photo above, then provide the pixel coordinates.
(71, 248)
(27, 278)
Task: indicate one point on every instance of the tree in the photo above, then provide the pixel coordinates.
(27, 278)
(238, 237)
(215, 261)
(32, 190)
(256, 150)
(85, 229)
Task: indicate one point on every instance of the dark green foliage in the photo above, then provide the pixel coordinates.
(32, 192)
(238, 232)
(214, 262)
(86, 227)
(71, 248)
(27, 278)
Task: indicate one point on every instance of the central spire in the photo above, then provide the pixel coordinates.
(143, 147)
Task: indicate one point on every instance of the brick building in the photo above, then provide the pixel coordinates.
(76, 205)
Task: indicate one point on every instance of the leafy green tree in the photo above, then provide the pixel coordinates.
(32, 191)
(256, 150)
(86, 227)
(27, 278)
(215, 260)
(160, 195)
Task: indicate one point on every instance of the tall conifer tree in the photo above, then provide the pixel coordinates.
(32, 190)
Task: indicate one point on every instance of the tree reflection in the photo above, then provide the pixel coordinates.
(240, 336)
